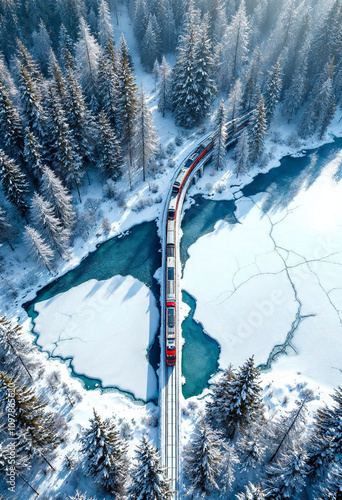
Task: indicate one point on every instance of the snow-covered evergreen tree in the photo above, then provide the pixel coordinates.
(229, 462)
(250, 81)
(87, 57)
(58, 196)
(145, 140)
(37, 247)
(140, 20)
(234, 100)
(234, 47)
(79, 118)
(66, 159)
(104, 26)
(127, 107)
(32, 154)
(321, 108)
(251, 450)
(42, 46)
(110, 154)
(106, 455)
(14, 183)
(326, 440)
(36, 427)
(252, 492)
(242, 156)
(186, 101)
(149, 46)
(58, 78)
(219, 150)
(164, 87)
(125, 52)
(273, 90)
(10, 124)
(109, 83)
(6, 230)
(295, 94)
(203, 460)
(286, 478)
(14, 346)
(81, 496)
(258, 130)
(43, 217)
(332, 488)
(31, 100)
(148, 477)
(65, 44)
(203, 69)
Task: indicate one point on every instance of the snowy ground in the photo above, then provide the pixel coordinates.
(21, 277)
(275, 276)
(106, 327)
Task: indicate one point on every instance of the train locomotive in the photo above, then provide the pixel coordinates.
(202, 150)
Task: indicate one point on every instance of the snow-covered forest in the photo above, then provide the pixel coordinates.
(76, 131)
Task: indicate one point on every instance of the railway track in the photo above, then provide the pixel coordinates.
(170, 376)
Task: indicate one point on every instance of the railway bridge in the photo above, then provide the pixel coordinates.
(170, 333)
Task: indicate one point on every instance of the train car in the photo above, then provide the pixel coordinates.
(170, 327)
(171, 213)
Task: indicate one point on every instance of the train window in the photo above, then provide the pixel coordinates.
(188, 163)
(170, 251)
(175, 190)
(170, 273)
(171, 317)
(171, 214)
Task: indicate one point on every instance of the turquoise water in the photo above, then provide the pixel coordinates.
(137, 253)
(134, 253)
(200, 353)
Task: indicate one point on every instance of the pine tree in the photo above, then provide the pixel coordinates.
(235, 47)
(149, 46)
(252, 492)
(219, 151)
(37, 247)
(36, 428)
(42, 46)
(58, 196)
(273, 90)
(14, 183)
(286, 478)
(31, 100)
(145, 136)
(203, 459)
(332, 488)
(44, 218)
(125, 53)
(65, 44)
(10, 124)
(203, 70)
(326, 439)
(6, 230)
(32, 154)
(258, 130)
(229, 462)
(110, 155)
(140, 20)
(295, 94)
(25, 59)
(184, 87)
(106, 454)
(242, 156)
(164, 87)
(127, 107)
(250, 81)
(148, 476)
(67, 161)
(59, 82)
(321, 107)
(234, 100)
(251, 450)
(220, 389)
(13, 345)
(109, 83)
(104, 25)
(87, 56)
(79, 118)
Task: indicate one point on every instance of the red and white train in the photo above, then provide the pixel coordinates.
(190, 163)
